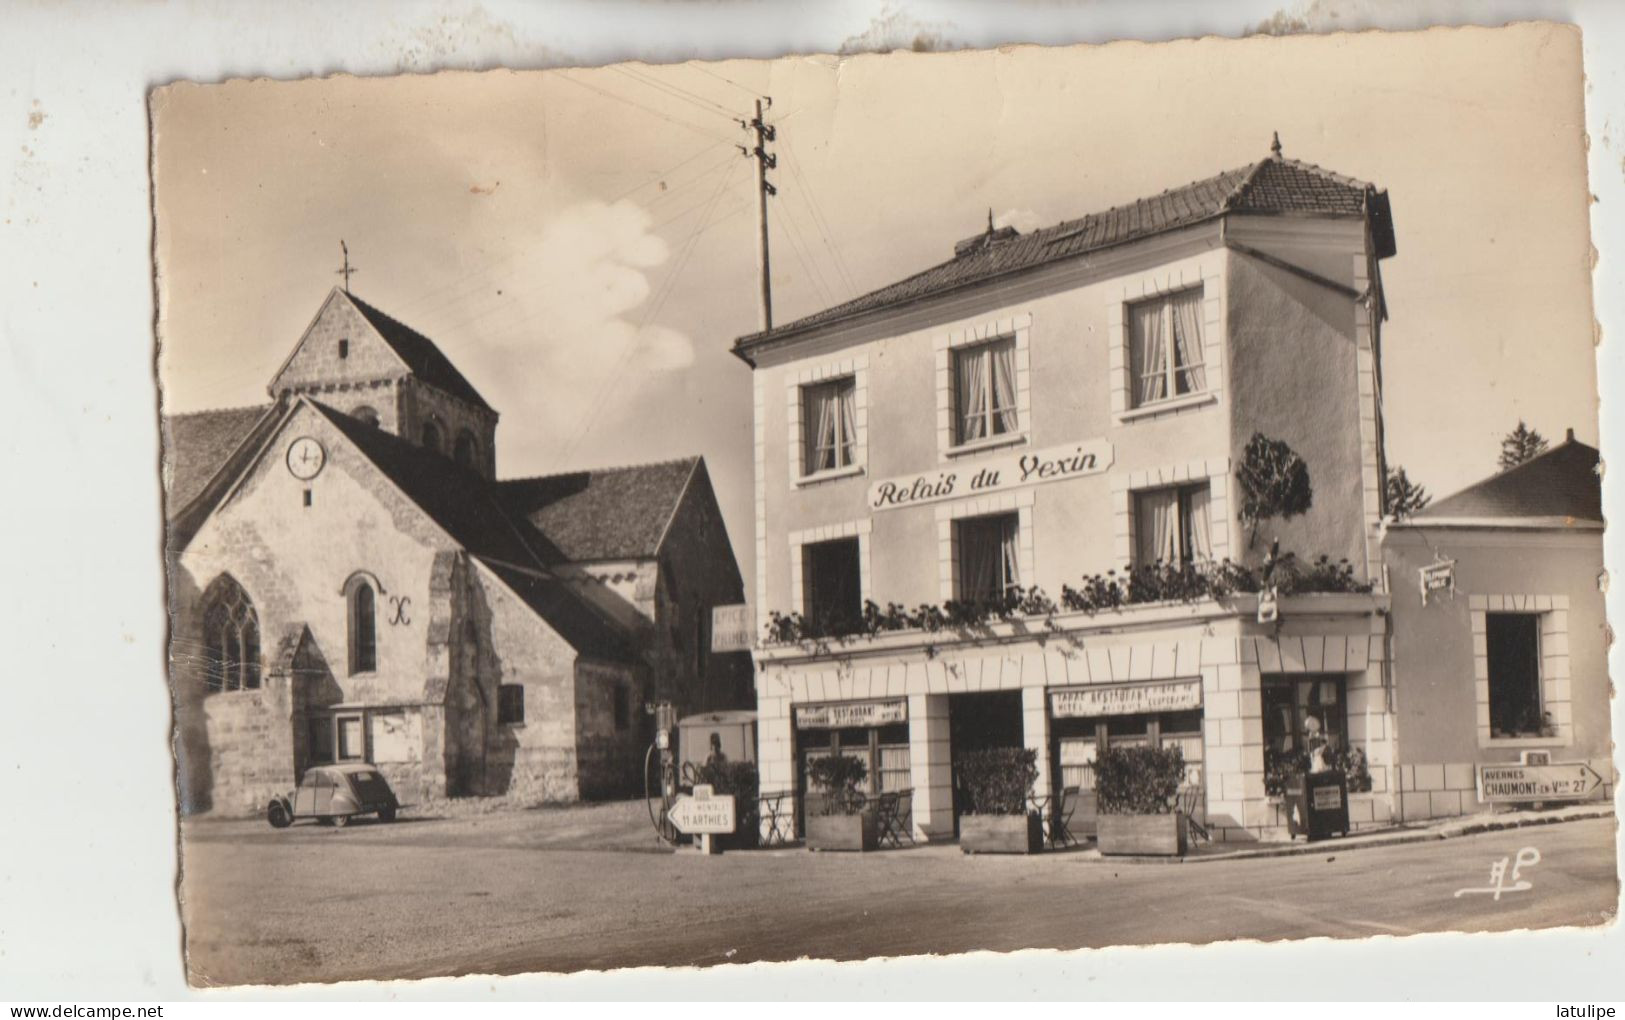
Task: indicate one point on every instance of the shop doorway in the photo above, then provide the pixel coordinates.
(980, 721)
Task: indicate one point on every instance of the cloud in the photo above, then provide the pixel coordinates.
(1024, 220)
(587, 309)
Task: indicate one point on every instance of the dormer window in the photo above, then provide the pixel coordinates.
(344, 349)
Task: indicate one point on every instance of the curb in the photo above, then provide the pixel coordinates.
(1398, 837)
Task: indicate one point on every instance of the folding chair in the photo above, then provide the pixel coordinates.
(1191, 801)
(1061, 827)
(886, 819)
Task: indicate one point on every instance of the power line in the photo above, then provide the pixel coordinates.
(822, 224)
(678, 92)
(646, 109)
(705, 70)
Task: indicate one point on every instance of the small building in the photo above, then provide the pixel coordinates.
(1039, 410)
(350, 580)
(1500, 641)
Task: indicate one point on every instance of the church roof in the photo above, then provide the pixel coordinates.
(1273, 185)
(459, 500)
(1561, 483)
(197, 445)
(604, 514)
(422, 357)
(470, 510)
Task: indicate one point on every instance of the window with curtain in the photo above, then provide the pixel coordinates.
(363, 628)
(829, 413)
(989, 557)
(1165, 347)
(1173, 525)
(231, 637)
(985, 391)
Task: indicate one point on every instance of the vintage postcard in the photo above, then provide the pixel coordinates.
(885, 505)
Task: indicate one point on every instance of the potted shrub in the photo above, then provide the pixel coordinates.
(1138, 790)
(839, 817)
(995, 787)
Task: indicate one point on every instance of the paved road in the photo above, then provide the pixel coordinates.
(510, 894)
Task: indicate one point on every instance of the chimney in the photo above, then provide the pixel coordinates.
(1570, 438)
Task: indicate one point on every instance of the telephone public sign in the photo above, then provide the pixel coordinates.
(980, 477)
(1512, 784)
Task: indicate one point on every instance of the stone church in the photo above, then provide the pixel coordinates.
(351, 581)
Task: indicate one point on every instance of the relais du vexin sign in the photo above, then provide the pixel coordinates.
(1015, 470)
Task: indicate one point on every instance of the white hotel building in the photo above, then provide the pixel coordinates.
(1057, 404)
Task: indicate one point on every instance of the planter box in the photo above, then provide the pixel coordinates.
(1163, 835)
(842, 832)
(1001, 834)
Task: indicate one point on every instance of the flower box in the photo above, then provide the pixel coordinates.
(1001, 834)
(1149, 835)
(843, 832)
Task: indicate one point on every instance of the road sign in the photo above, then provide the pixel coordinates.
(703, 815)
(731, 629)
(1516, 784)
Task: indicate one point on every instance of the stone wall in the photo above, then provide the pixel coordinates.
(250, 742)
(609, 752)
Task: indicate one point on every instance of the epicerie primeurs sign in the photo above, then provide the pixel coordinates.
(996, 474)
(1126, 699)
(853, 715)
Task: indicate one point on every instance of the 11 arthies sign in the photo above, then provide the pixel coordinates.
(1014, 470)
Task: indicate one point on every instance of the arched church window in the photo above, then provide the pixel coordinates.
(366, 415)
(431, 436)
(231, 637)
(363, 628)
(466, 451)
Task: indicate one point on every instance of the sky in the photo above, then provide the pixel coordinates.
(582, 243)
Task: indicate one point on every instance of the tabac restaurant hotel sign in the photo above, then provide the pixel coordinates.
(1125, 699)
(998, 474)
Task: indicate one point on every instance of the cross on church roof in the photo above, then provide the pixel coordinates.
(346, 269)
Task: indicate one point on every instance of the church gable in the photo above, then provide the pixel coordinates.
(339, 349)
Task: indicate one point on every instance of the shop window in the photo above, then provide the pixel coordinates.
(351, 742)
(1173, 525)
(363, 612)
(321, 739)
(989, 557)
(1512, 646)
(884, 751)
(1079, 740)
(1165, 347)
(1299, 714)
(829, 425)
(511, 705)
(985, 392)
(231, 637)
(832, 583)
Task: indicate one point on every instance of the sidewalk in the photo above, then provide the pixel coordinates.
(1440, 828)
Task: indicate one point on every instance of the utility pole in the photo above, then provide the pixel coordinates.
(765, 161)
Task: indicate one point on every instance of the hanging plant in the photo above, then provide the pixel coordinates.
(1274, 483)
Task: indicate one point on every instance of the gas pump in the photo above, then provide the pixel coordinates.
(660, 769)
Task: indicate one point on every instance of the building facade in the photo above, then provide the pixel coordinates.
(350, 581)
(1500, 636)
(1044, 408)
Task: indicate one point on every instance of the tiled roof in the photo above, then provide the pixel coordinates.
(420, 354)
(1272, 185)
(460, 501)
(1561, 483)
(567, 613)
(470, 510)
(606, 514)
(197, 445)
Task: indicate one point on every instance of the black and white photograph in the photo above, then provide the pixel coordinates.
(873, 500)
(902, 498)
